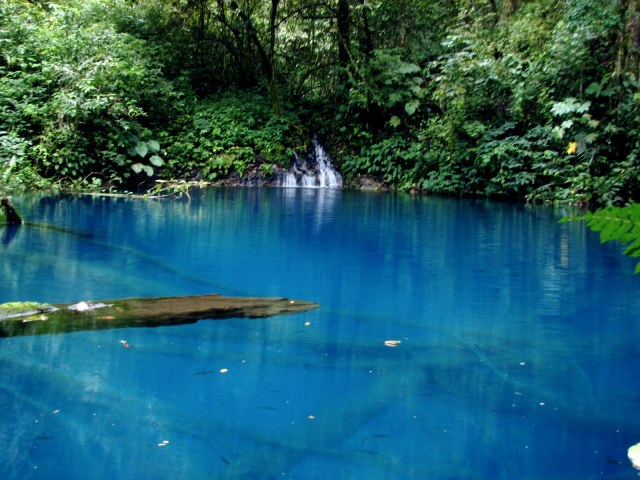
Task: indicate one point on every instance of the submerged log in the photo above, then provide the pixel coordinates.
(30, 318)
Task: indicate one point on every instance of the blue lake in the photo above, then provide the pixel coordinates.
(519, 354)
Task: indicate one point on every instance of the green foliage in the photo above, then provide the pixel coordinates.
(140, 150)
(76, 89)
(230, 133)
(534, 100)
(621, 224)
(390, 83)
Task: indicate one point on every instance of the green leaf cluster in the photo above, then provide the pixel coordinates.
(621, 224)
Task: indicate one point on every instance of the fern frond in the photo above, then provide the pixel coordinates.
(620, 224)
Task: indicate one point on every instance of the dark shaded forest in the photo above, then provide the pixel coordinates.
(532, 100)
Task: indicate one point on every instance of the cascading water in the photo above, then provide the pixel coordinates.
(314, 170)
(327, 175)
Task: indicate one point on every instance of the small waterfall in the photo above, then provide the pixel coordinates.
(289, 180)
(327, 175)
(311, 170)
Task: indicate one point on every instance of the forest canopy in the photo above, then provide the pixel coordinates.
(525, 99)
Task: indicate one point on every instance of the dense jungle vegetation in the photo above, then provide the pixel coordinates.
(524, 99)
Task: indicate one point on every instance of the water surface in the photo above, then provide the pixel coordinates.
(519, 353)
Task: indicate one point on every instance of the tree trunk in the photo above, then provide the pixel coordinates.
(30, 318)
(343, 21)
(267, 58)
(273, 82)
(368, 39)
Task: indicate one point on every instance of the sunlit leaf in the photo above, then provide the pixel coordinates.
(142, 149)
(406, 68)
(153, 146)
(156, 161)
(411, 106)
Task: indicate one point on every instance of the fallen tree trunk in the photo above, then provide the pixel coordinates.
(30, 318)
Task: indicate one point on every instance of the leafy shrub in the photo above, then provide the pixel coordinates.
(77, 89)
(229, 133)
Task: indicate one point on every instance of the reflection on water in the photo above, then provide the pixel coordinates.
(518, 354)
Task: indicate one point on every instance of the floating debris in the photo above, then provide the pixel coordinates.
(392, 343)
(634, 456)
(86, 306)
(311, 417)
(163, 443)
(224, 370)
(307, 324)
(124, 343)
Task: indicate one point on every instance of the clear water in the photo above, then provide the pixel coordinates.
(519, 358)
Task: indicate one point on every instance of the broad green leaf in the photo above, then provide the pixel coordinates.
(142, 149)
(153, 146)
(394, 121)
(594, 89)
(156, 161)
(137, 167)
(411, 106)
(406, 68)
(148, 170)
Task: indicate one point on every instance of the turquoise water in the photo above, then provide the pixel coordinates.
(519, 353)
